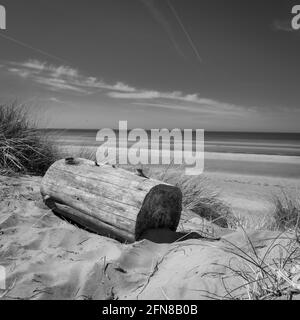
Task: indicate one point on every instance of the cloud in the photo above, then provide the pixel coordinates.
(66, 79)
(136, 95)
(21, 72)
(54, 101)
(191, 101)
(177, 107)
(63, 78)
(56, 84)
(34, 65)
(283, 25)
(37, 67)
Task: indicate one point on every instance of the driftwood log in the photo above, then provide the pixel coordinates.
(110, 201)
(117, 203)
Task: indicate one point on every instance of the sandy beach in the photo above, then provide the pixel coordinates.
(46, 258)
(248, 183)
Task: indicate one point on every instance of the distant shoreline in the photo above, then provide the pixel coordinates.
(256, 154)
(281, 144)
(234, 163)
(207, 131)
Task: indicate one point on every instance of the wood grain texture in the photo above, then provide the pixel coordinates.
(111, 200)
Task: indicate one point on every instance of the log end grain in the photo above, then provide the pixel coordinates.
(161, 208)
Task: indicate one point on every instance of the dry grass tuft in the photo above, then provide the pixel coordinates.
(23, 148)
(268, 275)
(287, 212)
(197, 196)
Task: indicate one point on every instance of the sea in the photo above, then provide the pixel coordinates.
(285, 144)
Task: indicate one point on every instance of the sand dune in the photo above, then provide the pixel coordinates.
(48, 258)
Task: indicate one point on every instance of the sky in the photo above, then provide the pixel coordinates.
(218, 65)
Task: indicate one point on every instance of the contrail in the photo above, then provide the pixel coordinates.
(161, 19)
(23, 44)
(190, 40)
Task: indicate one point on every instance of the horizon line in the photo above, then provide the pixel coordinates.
(211, 131)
